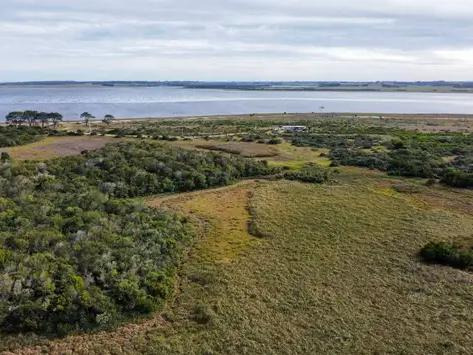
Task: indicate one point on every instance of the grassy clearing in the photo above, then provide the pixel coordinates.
(296, 157)
(54, 147)
(280, 155)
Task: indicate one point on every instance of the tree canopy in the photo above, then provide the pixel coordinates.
(32, 118)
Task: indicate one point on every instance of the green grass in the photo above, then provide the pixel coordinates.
(337, 272)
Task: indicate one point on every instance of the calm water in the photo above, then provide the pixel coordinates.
(130, 102)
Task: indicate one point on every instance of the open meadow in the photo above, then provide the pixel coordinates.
(54, 147)
(269, 257)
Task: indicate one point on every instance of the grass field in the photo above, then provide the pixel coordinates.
(337, 272)
(54, 147)
(295, 157)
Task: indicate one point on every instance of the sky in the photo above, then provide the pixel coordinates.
(363, 40)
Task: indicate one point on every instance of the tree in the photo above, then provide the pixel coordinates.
(107, 119)
(55, 118)
(86, 117)
(4, 157)
(43, 117)
(15, 118)
(30, 117)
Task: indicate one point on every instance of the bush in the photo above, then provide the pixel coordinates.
(275, 141)
(457, 178)
(11, 136)
(203, 314)
(4, 156)
(447, 254)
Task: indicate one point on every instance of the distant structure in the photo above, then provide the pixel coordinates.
(292, 129)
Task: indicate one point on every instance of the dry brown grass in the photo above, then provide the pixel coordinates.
(54, 147)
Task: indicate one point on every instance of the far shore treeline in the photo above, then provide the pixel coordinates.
(45, 119)
(33, 118)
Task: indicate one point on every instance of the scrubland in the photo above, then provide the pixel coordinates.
(282, 266)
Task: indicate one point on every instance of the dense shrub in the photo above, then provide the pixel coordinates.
(447, 254)
(275, 141)
(414, 163)
(311, 173)
(332, 141)
(457, 178)
(11, 136)
(131, 169)
(75, 256)
(342, 156)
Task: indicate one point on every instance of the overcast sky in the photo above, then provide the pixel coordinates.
(236, 40)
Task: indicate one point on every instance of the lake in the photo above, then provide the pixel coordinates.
(134, 102)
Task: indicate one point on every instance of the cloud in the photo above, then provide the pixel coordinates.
(236, 39)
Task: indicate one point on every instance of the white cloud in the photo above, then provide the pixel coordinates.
(236, 39)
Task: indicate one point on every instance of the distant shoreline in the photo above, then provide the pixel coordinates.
(461, 87)
(287, 116)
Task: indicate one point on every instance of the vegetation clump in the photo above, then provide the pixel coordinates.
(448, 254)
(311, 173)
(11, 136)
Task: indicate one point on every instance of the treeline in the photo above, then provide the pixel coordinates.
(310, 173)
(33, 118)
(74, 254)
